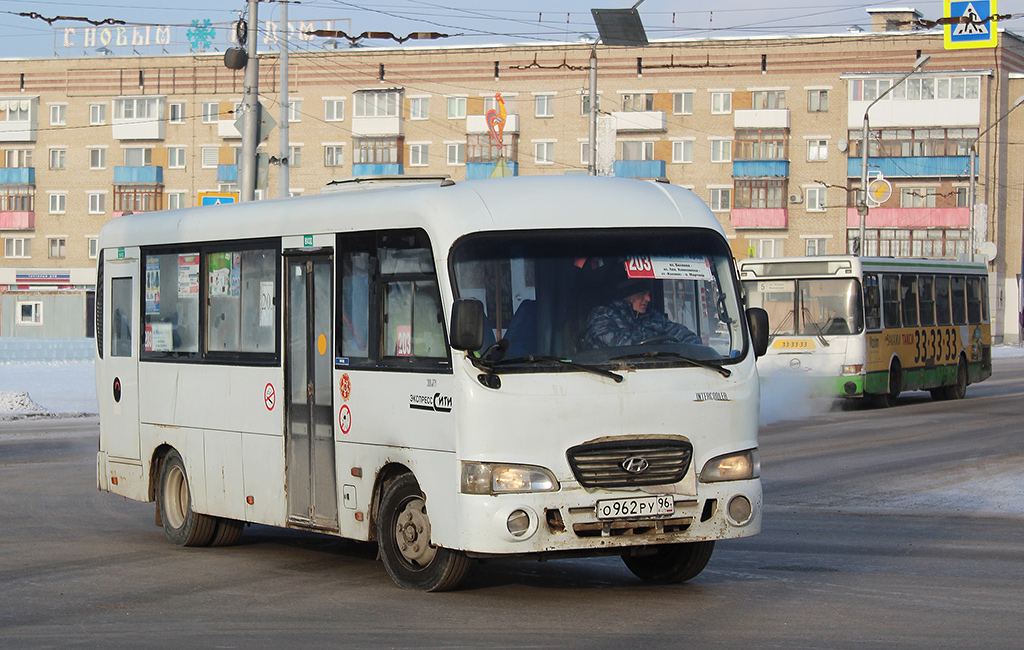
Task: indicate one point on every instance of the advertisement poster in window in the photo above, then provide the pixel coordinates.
(188, 276)
(220, 273)
(152, 284)
(266, 304)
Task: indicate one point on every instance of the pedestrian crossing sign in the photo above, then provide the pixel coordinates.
(976, 27)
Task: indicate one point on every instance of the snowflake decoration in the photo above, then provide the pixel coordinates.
(201, 36)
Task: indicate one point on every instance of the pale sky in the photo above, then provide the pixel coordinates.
(479, 21)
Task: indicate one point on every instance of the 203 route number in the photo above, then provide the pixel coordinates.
(662, 505)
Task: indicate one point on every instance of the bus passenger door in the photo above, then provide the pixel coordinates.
(309, 365)
(118, 386)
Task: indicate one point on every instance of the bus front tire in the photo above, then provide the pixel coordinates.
(182, 525)
(670, 563)
(403, 535)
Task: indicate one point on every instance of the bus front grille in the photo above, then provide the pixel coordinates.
(629, 463)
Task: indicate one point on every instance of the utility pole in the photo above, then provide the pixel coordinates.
(251, 107)
(282, 172)
(592, 167)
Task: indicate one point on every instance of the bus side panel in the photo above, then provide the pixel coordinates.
(263, 479)
(225, 490)
(189, 443)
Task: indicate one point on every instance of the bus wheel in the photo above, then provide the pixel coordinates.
(403, 535)
(888, 398)
(227, 533)
(670, 563)
(959, 389)
(182, 525)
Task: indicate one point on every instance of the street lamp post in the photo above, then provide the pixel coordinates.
(971, 193)
(862, 207)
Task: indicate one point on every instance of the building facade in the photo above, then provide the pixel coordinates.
(767, 131)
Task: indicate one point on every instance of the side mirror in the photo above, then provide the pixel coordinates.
(467, 331)
(757, 321)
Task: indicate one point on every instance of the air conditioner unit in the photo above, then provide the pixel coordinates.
(796, 198)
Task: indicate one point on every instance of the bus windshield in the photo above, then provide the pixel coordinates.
(809, 307)
(658, 297)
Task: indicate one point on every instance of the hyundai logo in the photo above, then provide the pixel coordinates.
(635, 464)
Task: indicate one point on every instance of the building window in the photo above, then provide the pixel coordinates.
(97, 114)
(902, 143)
(419, 155)
(585, 103)
(334, 155)
(176, 157)
(97, 158)
(456, 153)
(721, 151)
(58, 203)
(209, 157)
(544, 106)
(137, 198)
(334, 110)
(768, 99)
(58, 158)
(917, 197)
(682, 103)
(481, 148)
(638, 150)
(760, 193)
(817, 150)
(135, 108)
(210, 112)
(584, 153)
(17, 198)
(30, 313)
(175, 200)
(176, 113)
(817, 101)
(17, 157)
(384, 150)
(919, 242)
(138, 157)
(637, 101)
(721, 199)
(18, 247)
(93, 244)
(765, 247)
(456, 108)
(295, 156)
(58, 114)
(58, 248)
(372, 103)
(682, 151)
(721, 103)
(294, 110)
(17, 111)
(816, 199)
(761, 144)
(419, 108)
(962, 196)
(544, 153)
(97, 203)
(814, 246)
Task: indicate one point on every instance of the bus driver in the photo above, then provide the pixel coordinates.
(627, 320)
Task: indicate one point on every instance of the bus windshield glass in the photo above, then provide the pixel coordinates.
(607, 297)
(809, 307)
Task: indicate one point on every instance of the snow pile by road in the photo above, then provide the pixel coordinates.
(18, 403)
(50, 389)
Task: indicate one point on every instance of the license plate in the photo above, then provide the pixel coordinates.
(654, 506)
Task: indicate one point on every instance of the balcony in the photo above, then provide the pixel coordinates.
(17, 220)
(639, 168)
(640, 121)
(767, 118)
(760, 169)
(18, 176)
(20, 130)
(382, 169)
(137, 129)
(138, 175)
(477, 124)
(476, 171)
(911, 218)
(377, 126)
(227, 173)
(759, 217)
(927, 166)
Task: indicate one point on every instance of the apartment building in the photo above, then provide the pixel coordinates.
(768, 131)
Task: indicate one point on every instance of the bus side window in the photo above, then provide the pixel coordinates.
(891, 300)
(241, 291)
(354, 304)
(872, 303)
(908, 299)
(942, 301)
(974, 301)
(926, 299)
(958, 299)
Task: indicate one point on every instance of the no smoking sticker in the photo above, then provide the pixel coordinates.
(345, 418)
(268, 397)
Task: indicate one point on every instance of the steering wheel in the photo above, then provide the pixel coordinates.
(496, 351)
(664, 338)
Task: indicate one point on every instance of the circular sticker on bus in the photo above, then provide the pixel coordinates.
(345, 419)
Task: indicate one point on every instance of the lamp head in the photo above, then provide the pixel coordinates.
(921, 61)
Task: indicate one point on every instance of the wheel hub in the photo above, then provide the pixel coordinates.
(412, 532)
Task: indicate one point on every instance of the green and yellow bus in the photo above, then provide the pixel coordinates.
(874, 327)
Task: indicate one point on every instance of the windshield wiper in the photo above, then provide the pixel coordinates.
(491, 367)
(821, 333)
(725, 372)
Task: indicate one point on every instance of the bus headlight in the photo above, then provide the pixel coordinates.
(732, 467)
(498, 478)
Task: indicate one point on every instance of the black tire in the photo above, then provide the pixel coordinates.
(182, 525)
(888, 398)
(227, 533)
(670, 563)
(403, 536)
(959, 389)
(939, 394)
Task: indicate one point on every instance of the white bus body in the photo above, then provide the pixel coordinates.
(288, 363)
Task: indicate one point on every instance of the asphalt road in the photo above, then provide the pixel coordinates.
(898, 528)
